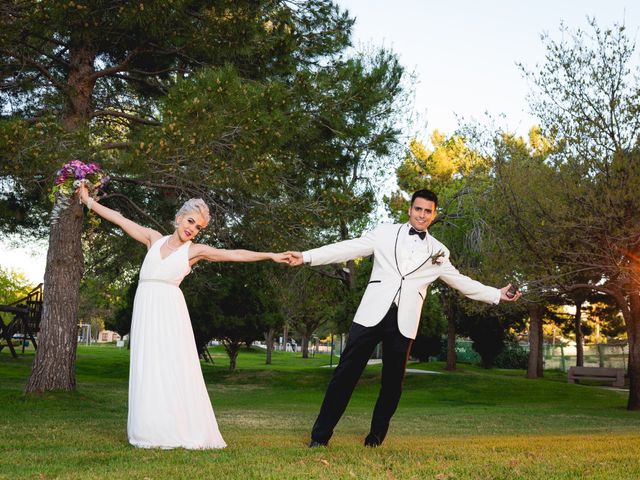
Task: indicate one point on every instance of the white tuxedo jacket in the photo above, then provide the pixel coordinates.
(388, 280)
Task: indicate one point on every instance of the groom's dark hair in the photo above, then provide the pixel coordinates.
(426, 194)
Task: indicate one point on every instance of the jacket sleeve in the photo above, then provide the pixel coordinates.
(467, 286)
(342, 251)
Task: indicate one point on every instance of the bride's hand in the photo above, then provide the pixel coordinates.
(280, 258)
(83, 193)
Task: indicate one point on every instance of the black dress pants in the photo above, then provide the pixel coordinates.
(360, 345)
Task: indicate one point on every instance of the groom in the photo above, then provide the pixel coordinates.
(406, 261)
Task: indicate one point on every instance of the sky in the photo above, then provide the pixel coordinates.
(464, 55)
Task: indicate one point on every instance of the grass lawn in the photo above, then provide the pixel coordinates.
(473, 423)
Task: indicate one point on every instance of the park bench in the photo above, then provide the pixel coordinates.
(25, 323)
(615, 375)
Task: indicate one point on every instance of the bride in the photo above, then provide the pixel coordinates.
(169, 405)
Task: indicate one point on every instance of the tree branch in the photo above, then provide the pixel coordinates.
(145, 183)
(115, 145)
(41, 68)
(137, 208)
(133, 118)
(619, 297)
(130, 78)
(53, 58)
(117, 68)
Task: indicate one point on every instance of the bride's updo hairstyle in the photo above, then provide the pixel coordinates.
(193, 205)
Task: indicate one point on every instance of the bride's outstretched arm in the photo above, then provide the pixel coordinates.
(137, 232)
(205, 252)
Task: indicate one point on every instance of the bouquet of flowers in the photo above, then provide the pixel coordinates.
(69, 178)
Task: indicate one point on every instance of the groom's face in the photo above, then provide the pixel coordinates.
(421, 213)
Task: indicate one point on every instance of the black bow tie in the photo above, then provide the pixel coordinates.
(413, 231)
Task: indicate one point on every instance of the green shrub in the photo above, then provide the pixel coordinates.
(513, 356)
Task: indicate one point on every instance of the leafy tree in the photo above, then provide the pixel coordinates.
(92, 79)
(120, 319)
(98, 302)
(606, 320)
(521, 174)
(13, 285)
(587, 209)
(490, 331)
(488, 337)
(459, 174)
(307, 300)
(271, 321)
(232, 303)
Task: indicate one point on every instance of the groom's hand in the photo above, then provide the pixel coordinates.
(509, 294)
(295, 258)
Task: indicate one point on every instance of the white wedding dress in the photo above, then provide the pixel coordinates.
(169, 406)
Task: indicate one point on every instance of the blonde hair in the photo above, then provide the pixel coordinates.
(193, 205)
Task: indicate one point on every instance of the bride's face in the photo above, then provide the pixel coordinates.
(189, 225)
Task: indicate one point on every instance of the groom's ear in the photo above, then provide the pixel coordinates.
(433, 217)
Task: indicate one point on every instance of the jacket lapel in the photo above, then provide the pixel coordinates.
(395, 249)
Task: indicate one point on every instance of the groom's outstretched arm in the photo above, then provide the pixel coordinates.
(335, 252)
(474, 289)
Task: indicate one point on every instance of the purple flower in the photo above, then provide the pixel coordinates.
(69, 177)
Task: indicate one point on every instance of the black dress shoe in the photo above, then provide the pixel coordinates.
(372, 440)
(315, 443)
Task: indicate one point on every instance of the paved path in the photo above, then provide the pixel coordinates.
(376, 361)
(416, 370)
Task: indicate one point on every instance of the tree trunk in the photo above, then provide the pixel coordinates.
(633, 332)
(535, 339)
(577, 323)
(540, 348)
(233, 357)
(232, 348)
(54, 364)
(268, 338)
(78, 107)
(305, 345)
(628, 301)
(285, 335)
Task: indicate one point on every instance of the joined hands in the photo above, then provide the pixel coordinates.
(295, 258)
